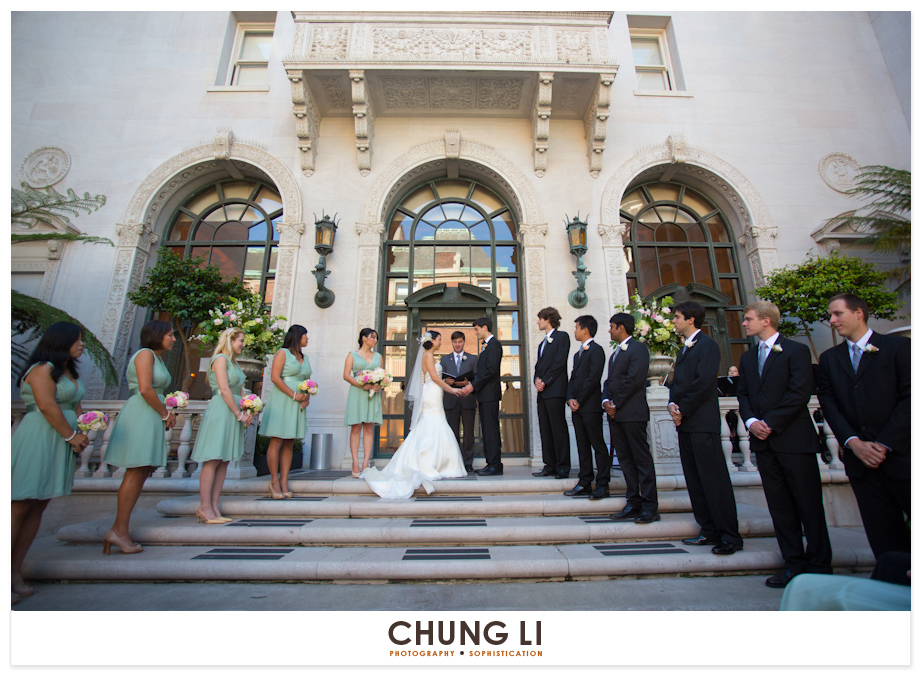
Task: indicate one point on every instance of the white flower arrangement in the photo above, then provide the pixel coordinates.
(870, 348)
(424, 338)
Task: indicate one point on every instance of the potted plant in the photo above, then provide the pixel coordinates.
(655, 328)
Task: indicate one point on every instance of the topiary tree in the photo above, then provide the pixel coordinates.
(188, 289)
(802, 292)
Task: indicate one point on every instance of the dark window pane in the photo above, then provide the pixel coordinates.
(511, 358)
(180, 228)
(273, 260)
(269, 292)
(399, 226)
(717, 230)
(393, 400)
(695, 233)
(202, 252)
(701, 271)
(512, 435)
(737, 351)
(648, 271)
(725, 261)
(733, 321)
(229, 259)
(205, 231)
(644, 232)
(391, 435)
(670, 232)
(730, 288)
(232, 231)
(631, 286)
(675, 266)
(423, 268)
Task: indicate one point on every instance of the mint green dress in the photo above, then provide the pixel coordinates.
(220, 435)
(43, 462)
(283, 417)
(138, 435)
(359, 409)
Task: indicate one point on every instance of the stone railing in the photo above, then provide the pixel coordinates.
(181, 440)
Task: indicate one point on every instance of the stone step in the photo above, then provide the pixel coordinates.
(152, 528)
(50, 560)
(435, 505)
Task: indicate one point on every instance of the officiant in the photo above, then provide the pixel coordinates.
(458, 368)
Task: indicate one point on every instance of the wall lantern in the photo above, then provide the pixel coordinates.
(325, 240)
(578, 245)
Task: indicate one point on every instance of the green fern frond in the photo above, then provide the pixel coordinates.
(60, 236)
(31, 205)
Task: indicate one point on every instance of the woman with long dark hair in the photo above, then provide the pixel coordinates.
(138, 438)
(223, 426)
(44, 446)
(285, 416)
(362, 412)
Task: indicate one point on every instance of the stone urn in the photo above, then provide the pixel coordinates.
(659, 365)
(252, 369)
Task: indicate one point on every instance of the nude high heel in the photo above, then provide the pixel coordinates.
(123, 545)
(274, 495)
(213, 521)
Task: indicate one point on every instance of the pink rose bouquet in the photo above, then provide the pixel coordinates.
(309, 387)
(377, 376)
(176, 400)
(251, 404)
(92, 421)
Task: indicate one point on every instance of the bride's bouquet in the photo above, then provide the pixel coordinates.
(308, 387)
(377, 376)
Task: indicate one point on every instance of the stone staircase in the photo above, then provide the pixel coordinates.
(511, 527)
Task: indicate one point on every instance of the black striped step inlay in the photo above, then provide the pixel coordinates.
(292, 499)
(599, 519)
(448, 522)
(447, 498)
(244, 554)
(316, 474)
(446, 554)
(637, 549)
(269, 522)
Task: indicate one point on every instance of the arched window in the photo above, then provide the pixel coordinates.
(231, 224)
(679, 243)
(452, 232)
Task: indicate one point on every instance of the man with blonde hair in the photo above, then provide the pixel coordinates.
(774, 386)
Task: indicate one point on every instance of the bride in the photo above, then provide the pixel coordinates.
(430, 451)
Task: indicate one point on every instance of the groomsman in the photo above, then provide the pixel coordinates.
(627, 415)
(457, 408)
(774, 386)
(864, 391)
(694, 407)
(487, 387)
(584, 399)
(551, 381)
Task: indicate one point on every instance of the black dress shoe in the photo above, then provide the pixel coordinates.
(628, 513)
(782, 579)
(727, 548)
(562, 475)
(579, 491)
(701, 540)
(544, 472)
(647, 517)
(599, 494)
(489, 471)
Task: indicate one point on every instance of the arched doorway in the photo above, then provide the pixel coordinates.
(678, 242)
(450, 256)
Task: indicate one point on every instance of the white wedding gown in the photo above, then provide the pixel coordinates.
(430, 451)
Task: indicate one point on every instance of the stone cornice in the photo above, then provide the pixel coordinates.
(601, 19)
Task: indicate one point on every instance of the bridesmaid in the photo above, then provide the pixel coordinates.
(44, 445)
(285, 417)
(138, 438)
(361, 412)
(220, 436)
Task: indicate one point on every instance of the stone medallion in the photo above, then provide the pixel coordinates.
(45, 166)
(839, 171)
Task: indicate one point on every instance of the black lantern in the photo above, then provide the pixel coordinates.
(325, 240)
(578, 245)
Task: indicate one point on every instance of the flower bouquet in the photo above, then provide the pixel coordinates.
(377, 376)
(92, 421)
(654, 326)
(251, 404)
(308, 387)
(176, 400)
(264, 332)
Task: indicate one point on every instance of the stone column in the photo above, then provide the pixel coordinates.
(532, 237)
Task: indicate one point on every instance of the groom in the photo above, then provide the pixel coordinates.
(487, 387)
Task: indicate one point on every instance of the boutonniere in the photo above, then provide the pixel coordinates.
(585, 347)
(689, 343)
(463, 358)
(870, 348)
(624, 346)
(776, 348)
(549, 340)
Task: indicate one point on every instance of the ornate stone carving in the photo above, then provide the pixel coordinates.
(300, 40)
(503, 45)
(452, 92)
(596, 123)
(364, 120)
(54, 250)
(567, 94)
(329, 44)
(574, 46)
(839, 171)
(541, 113)
(335, 92)
(501, 93)
(135, 235)
(612, 235)
(222, 142)
(405, 92)
(426, 44)
(45, 166)
(677, 147)
(369, 234)
(452, 144)
(290, 233)
(532, 234)
(365, 301)
(281, 303)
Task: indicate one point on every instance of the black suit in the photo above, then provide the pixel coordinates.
(487, 386)
(787, 459)
(585, 387)
(873, 404)
(457, 408)
(627, 375)
(554, 430)
(695, 393)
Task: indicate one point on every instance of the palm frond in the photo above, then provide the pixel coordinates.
(60, 236)
(32, 205)
(31, 317)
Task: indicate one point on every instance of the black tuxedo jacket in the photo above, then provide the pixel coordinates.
(487, 383)
(694, 388)
(468, 371)
(551, 366)
(872, 404)
(779, 396)
(626, 380)
(585, 382)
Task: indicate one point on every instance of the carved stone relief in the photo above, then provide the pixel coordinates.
(541, 114)
(500, 93)
(595, 122)
(405, 92)
(45, 166)
(454, 92)
(306, 121)
(337, 97)
(839, 171)
(329, 43)
(573, 46)
(364, 119)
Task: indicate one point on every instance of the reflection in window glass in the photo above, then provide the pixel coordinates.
(452, 188)
(399, 226)
(506, 258)
(480, 231)
(507, 291)
(423, 231)
(418, 199)
(503, 226)
(487, 199)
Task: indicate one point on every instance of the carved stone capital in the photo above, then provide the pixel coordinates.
(612, 235)
(290, 233)
(369, 234)
(135, 235)
(532, 234)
